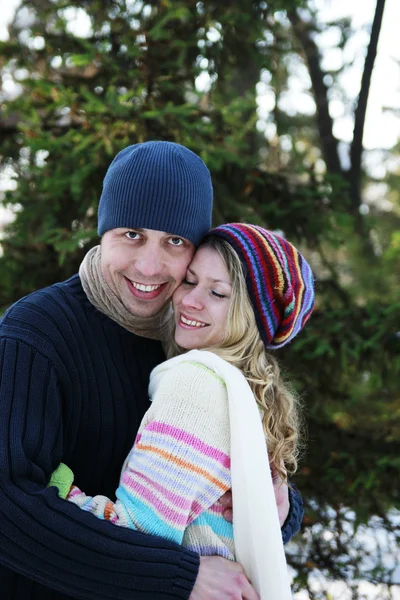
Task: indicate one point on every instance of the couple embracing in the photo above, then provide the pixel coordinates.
(105, 495)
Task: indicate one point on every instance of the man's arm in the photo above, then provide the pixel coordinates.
(295, 516)
(53, 542)
(47, 539)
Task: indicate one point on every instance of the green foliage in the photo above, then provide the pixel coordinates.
(133, 78)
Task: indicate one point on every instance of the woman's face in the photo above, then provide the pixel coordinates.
(202, 301)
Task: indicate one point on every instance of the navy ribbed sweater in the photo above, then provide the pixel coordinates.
(73, 388)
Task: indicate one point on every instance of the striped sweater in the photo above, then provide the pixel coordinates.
(179, 466)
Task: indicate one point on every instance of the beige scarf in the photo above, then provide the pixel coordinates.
(156, 327)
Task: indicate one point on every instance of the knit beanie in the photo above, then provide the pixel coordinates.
(157, 185)
(278, 278)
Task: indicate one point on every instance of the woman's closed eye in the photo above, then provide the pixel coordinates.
(213, 292)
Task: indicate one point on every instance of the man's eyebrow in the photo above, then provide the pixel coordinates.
(211, 278)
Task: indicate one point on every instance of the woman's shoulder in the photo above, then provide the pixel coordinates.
(188, 377)
(199, 365)
(190, 396)
(193, 365)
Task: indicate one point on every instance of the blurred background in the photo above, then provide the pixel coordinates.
(295, 108)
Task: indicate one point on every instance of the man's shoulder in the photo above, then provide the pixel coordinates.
(60, 313)
(46, 299)
(45, 311)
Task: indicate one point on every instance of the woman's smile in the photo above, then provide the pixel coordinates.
(201, 303)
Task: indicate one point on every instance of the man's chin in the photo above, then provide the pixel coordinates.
(145, 308)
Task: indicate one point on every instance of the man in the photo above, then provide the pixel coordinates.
(75, 360)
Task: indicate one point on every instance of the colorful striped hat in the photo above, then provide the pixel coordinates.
(279, 280)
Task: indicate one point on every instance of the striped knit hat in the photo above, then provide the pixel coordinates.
(278, 278)
(157, 185)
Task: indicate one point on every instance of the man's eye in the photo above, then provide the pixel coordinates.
(175, 241)
(132, 235)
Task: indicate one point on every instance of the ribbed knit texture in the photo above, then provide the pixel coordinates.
(100, 294)
(295, 516)
(73, 389)
(157, 185)
(178, 467)
(279, 281)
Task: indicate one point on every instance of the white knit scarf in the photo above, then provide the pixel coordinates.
(257, 533)
(99, 293)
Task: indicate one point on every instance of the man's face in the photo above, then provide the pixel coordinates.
(144, 267)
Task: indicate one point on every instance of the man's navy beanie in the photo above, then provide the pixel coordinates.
(157, 185)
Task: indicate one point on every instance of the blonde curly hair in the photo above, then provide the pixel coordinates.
(242, 347)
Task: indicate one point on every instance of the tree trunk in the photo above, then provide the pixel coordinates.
(356, 148)
(329, 143)
(303, 31)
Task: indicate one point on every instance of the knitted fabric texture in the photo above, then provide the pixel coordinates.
(203, 418)
(155, 327)
(279, 280)
(157, 185)
(80, 383)
(179, 465)
(62, 478)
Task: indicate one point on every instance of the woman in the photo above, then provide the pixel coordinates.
(246, 291)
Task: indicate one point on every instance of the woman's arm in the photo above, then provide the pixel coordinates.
(179, 465)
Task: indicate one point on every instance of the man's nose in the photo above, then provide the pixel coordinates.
(149, 263)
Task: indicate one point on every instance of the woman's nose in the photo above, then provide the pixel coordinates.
(193, 299)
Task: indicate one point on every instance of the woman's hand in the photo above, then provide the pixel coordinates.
(281, 496)
(226, 501)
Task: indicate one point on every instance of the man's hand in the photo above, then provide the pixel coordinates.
(221, 579)
(281, 495)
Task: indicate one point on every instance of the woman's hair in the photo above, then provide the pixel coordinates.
(242, 347)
